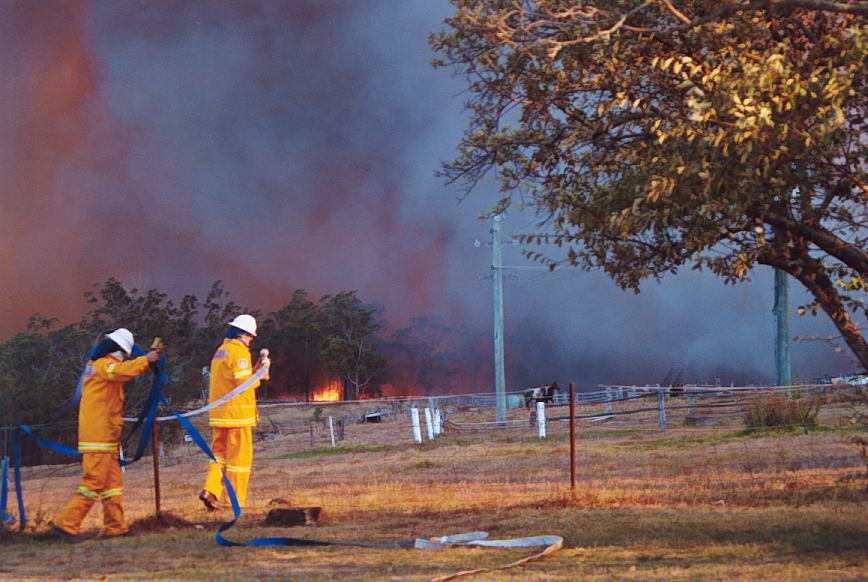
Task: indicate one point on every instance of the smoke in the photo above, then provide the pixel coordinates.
(284, 145)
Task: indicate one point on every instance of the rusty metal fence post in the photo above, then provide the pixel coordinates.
(155, 441)
(572, 437)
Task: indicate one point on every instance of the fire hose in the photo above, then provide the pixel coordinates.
(146, 419)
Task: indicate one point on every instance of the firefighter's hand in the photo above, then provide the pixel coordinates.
(152, 356)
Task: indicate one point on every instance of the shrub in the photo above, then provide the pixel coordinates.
(779, 412)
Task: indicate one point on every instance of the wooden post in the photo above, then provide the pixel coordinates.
(311, 434)
(155, 441)
(608, 401)
(572, 437)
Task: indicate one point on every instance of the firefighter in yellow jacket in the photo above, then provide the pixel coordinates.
(100, 421)
(231, 422)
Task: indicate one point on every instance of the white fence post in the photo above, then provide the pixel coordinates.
(438, 429)
(429, 424)
(332, 430)
(541, 419)
(417, 430)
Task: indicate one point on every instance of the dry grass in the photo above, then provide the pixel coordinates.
(692, 503)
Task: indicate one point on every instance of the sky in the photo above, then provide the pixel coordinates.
(285, 145)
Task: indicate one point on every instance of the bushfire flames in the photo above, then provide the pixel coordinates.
(329, 392)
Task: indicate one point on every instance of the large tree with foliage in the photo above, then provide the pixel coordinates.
(654, 135)
(348, 348)
(192, 330)
(294, 335)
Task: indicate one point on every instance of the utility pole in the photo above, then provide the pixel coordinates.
(782, 330)
(497, 276)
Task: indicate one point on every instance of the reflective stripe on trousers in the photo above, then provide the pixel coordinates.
(101, 481)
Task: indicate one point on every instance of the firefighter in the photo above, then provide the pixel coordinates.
(100, 421)
(231, 423)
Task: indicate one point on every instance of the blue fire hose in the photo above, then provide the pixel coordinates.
(146, 420)
(24, 431)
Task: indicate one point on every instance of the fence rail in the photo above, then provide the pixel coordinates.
(612, 405)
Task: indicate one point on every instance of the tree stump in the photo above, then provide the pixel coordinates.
(293, 516)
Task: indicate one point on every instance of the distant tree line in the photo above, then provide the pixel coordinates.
(311, 340)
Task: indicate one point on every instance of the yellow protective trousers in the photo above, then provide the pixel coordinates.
(101, 481)
(233, 449)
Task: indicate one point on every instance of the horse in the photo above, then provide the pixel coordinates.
(544, 393)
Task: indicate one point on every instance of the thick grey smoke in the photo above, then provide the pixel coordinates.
(284, 145)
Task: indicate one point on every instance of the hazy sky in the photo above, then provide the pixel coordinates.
(283, 145)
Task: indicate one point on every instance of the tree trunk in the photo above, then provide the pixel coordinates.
(846, 252)
(811, 273)
(306, 369)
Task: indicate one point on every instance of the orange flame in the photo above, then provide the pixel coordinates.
(330, 392)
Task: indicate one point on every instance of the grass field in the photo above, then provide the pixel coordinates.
(690, 503)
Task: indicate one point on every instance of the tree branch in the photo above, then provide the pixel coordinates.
(675, 12)
(855, 8)
(849, 254)
(811, 273)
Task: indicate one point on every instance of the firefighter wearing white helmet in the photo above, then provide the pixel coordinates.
(100, 419)
(246, 323)
(231, 422)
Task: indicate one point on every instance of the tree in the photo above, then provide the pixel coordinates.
(419, 355)
(348, 350)
(192, 330)
(39, 370)
(295, 336)
(148, 314)
(717, 134)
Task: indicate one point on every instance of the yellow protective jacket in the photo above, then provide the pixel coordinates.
(231, 367)
(100, 414)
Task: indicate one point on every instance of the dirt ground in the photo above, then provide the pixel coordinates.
(697, 502)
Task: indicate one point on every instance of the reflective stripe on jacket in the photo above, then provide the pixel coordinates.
(231, 367)
(100, 414)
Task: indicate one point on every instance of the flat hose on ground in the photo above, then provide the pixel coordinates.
(552, 544)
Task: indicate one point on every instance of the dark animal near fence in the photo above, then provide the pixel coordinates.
(540, 394)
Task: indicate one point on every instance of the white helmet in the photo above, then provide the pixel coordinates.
(123, 338)
(246, 323)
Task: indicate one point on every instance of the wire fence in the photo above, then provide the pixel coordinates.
(611, 412)
(645, 408)
(648, 440)
(383, 426)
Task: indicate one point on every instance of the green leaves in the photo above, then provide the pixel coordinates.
(654, 150)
